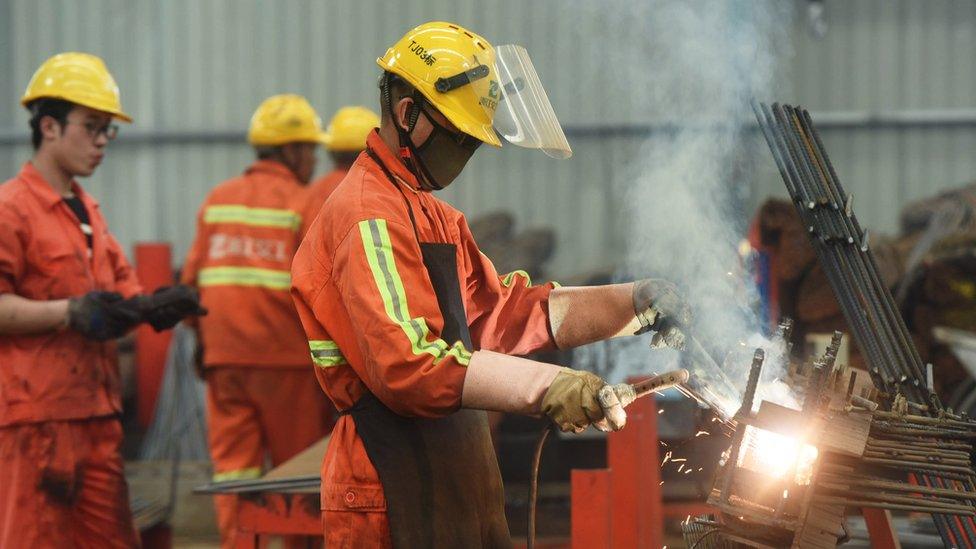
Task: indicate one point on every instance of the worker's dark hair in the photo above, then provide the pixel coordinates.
(343, 158)
(57, 109)
(267, 152)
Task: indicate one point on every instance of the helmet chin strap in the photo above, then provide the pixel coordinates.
(408, 151)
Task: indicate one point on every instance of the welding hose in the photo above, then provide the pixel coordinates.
(627, 393)
(534, 484)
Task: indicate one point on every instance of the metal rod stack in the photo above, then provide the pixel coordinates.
(934, 452)
(843, 251)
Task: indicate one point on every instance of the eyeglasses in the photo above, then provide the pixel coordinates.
(110, 131)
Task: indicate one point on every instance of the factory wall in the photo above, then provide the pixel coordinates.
(192, 71)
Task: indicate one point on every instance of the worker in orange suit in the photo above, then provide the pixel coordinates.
(263, 403)
(66, 292)
(345, 138)
(413, 332)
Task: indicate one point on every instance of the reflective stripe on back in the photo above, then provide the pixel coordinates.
(238, 474)
(245, 276)
(255, 217)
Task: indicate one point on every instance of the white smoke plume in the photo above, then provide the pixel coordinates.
(691, 74)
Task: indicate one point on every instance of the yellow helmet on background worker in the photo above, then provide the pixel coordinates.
(348, 129)
(80, 78)
(285, 118)
(480, 88)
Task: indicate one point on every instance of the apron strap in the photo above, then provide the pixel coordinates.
(392, 180)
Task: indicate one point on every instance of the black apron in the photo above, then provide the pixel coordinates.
(440, 476)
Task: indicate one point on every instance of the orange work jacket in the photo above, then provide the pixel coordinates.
(317, 193)
(44, 256)
(372, 318)
(247, 233)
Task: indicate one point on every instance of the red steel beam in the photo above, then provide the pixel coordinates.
(635, 477)
(154, 267)
(590, 504)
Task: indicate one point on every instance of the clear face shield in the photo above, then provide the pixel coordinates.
(524, 116)
(515, 103)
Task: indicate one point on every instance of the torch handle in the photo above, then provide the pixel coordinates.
(660, 382)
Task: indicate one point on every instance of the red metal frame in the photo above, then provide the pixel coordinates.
(274, 514)
(154, 268)
(880, 530)
(622, 506)
(590, 515)
(632, 456)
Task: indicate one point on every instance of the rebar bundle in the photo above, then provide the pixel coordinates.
(179, 427)
(901, 446)
(843, 251)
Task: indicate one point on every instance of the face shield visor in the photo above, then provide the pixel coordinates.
(514, 103)
(524, 116)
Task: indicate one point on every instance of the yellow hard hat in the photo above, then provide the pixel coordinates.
(285, 118)
(432, 56)
(348, 129)
(80, 78)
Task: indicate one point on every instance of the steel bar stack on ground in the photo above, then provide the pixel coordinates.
(844, 253)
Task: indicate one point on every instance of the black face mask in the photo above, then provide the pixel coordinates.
(444, 154)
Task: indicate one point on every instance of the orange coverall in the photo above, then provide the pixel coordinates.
(262, 400)
(61, 477)
(317, 193)
(361, 342)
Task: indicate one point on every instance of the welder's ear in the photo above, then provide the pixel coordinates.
(407, 111)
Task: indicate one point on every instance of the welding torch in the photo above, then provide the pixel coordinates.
(610, 396)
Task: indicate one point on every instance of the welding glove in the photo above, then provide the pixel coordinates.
(576, 399)
(101, 315)
(660, 308)
(570, 398)
(165, 307)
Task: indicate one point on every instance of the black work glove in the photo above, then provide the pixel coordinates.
(660, 308)
(165, 307)
(101, 315)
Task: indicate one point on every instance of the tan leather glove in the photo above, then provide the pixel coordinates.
(576, 399)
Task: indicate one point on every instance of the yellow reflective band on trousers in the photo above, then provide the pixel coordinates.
(510, 278)
(379, 254)
(255, 217)
(237, 474)
(245, 276)
(325, 353)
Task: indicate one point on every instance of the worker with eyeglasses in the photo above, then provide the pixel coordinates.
(66, 292)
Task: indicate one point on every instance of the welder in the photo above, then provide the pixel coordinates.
(413, 332)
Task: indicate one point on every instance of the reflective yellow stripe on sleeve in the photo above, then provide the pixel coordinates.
(255, 217)
(508, 279)
(325, 353)
(379, 255)
(244, 276)
(238, 474)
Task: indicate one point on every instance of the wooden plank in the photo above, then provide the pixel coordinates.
(305, 463)
(846, 433)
